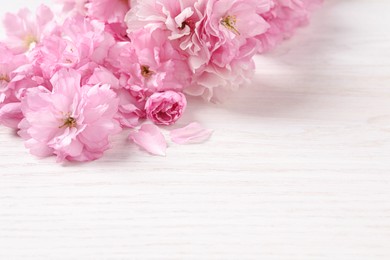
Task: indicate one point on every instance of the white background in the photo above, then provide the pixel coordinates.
(298, 167)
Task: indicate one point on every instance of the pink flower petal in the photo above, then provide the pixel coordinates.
(151, 139)
(191, 134)
(11, 115)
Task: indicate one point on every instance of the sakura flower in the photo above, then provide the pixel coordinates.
(77, 43)
(179, 18)
(149, 63)
(161, 67)
(234, 19)
(55, 53)
(216, 36)
(200, 26)
(229, 26)
(26, 29)
(228, 31)
(90, 37)
(71, 121)
(165, 108)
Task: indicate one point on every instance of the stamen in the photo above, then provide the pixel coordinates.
(5, 78)
(188, 22)
(229, 22)
(69, 122)
(183, 25)
(146, 72)
(30, 39)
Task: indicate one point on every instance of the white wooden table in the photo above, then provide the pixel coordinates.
(298, 167)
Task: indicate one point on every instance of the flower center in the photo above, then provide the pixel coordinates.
(4, 77)
(146, 72)
(30, 39)
(183, 25)
(229, 22)
(69, 122)
(188, 22)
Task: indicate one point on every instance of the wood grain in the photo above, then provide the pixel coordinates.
(298, 167)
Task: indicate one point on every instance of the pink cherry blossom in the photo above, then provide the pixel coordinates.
(228, 31)
(201, 26)
(165, 108)
(26, 29)
(151, 62)
(179, 18)
(161, 66)
(72, 122)
(147, 65)
(55, 53)
(89, 36)
(217, 37)
(75, 44)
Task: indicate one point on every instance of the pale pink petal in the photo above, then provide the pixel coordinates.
(11, 115)
(151, 139)
(191, 134)
(102, 75)
(108, 10)
(37, 148)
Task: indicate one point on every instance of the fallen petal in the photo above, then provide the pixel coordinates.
(191, 134)
(151, 139)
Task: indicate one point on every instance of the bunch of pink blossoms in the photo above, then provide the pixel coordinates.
(68, 82)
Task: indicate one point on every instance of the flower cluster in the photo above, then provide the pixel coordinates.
(70, 81)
